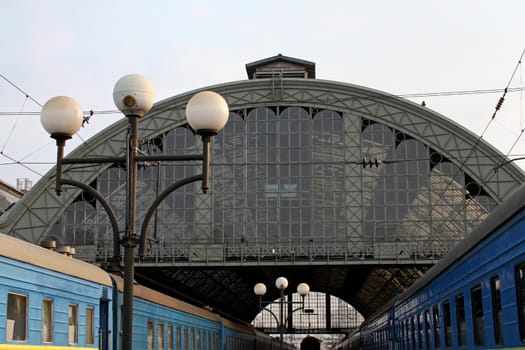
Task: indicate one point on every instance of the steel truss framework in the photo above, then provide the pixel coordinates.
(356, 252)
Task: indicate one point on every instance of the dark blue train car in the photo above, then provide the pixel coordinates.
(474, 298)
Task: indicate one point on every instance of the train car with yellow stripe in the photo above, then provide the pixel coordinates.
(52, 301)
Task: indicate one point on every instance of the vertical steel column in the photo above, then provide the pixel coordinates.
(206, 145)
(289, 314)
(281, 315)
(328, 308)
(61, 143)
(130, 240)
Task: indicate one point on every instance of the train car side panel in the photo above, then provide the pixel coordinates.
(41, 306)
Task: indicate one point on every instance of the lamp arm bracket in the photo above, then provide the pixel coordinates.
(107, 207)
(274, 316)
(290, 314)
(155, 205)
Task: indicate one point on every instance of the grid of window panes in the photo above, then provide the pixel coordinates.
(328, 168)
(278, 178)
(312, 317)
(274, 165)
(417, 195)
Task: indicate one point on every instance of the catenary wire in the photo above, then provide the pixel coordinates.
(14, 125)
(22, 91)
(440, 229)
(411, 95)
(20, 163)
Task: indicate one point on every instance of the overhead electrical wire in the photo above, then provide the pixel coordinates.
(522, 130)
(500, 102)
(14, 125)
(19, 89)
(474, 147)
(409, 95)
(21, 164)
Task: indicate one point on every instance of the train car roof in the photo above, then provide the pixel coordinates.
(17, 249)
(166, 300)
(506, 210)
(169, 301)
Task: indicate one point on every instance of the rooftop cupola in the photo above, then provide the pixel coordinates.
(281, 67)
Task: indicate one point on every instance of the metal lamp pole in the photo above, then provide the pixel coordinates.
(281, 283)
(206, 112)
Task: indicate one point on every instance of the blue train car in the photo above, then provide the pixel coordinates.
(474, 298)
(351, 341)
(163, 322)
(50, 299)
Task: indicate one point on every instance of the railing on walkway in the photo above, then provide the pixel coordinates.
(327, 252)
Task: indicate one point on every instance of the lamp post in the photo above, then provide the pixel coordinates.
(206, 112)
(281, 283)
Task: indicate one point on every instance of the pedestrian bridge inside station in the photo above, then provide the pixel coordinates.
(354, 191)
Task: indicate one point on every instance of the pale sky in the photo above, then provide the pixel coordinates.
(81, 48)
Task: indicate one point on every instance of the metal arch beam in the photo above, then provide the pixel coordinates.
(32, 216)
(455, 142)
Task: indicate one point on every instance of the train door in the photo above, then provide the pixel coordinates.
(103, 330)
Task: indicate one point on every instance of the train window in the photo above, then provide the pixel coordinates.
(520, 290)
(447, 320)
(170, 336)
(427, 329)
(437, 329)
(160, 336)
(73, 324)
(400, 329)
(198, 338)
(407, 333)
(90, 326)
(404, 331)
(151, 335)
(186, 340)
(413, 331)
(477, 316)
(192, 339)
(179, 338)
(460, 320)
(16, 317)
(47, 320)
(496, 310)
(420, 329)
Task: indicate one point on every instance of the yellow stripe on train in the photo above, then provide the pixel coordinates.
(47, 347)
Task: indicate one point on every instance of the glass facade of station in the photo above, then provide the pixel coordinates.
(293, 180)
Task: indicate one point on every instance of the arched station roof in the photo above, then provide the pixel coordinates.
(438, 177)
